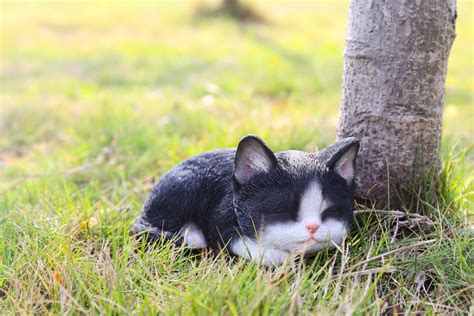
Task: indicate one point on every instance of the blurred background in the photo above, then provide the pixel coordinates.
(108, 95)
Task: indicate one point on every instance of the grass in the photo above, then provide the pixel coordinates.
(99, 99)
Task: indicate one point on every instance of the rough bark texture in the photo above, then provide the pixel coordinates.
(393, 91)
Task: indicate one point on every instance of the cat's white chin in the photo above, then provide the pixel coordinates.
(251, 249)
(261, 253)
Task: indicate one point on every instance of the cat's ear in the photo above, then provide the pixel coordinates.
(341, 157)
(252, 157)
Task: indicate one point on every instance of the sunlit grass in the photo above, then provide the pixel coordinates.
(98, 100)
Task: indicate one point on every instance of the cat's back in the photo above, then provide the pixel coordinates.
(190, 189)
(204, 169)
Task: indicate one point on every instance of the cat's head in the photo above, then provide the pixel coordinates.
(294, 200)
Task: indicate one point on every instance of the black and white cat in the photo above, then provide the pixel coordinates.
(258, 204)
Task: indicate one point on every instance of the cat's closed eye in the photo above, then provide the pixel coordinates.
(285, 212)
(332, 212)
(288, 207)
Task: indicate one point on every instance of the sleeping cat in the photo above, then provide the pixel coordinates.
(258, 204)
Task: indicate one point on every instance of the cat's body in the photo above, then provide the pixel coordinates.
(255, 203)
(197, 191)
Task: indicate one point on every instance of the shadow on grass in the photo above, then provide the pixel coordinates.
(232, 10)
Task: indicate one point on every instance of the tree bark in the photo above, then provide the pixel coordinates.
(393, 92)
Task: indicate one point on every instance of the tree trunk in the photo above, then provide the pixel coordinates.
(393, 91)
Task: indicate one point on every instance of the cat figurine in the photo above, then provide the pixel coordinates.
(257, 204)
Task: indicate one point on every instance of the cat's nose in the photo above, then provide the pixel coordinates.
(312, 228)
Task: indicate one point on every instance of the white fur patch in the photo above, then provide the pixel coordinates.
(251, 249)
(312, 205)
(193, 237)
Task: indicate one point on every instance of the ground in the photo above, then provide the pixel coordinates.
(99, 99)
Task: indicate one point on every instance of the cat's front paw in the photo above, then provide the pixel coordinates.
(250, 249)
(272, 257)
